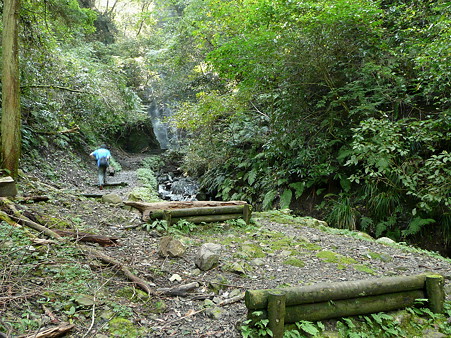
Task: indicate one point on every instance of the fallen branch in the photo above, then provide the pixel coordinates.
(38, 227)
(52, 332)
(19, 218)
(32, 199)
(144, 285)
(85, 237)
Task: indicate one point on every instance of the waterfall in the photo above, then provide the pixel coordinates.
(162, 130)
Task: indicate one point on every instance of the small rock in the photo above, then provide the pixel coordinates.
(234, 293)
(208, 303)
(175, 278)
(315, 238)
(257, 262)
(208, 256)
(431, 333)
(236, 268)
(85, 300)
(215, 313)
(303, 239)
(385, 240)
(111, 198)
(285, 253)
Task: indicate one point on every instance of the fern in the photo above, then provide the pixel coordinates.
(252, 176)
(268, 199)
(416, 225)
(298, 187)
(285, 199)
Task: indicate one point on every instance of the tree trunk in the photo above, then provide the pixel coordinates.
(10, 124)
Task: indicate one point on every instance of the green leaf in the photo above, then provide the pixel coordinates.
(252, 176)
(285, 199)
(268, 199)
(416, 225)
(298, 188)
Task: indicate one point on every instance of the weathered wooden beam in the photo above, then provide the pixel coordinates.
(346, 307)
(258, 299)
(143, 206)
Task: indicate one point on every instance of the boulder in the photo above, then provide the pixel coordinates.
(208, 256)
(170, 247)
(385, 240)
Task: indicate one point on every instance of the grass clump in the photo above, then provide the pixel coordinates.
(332, 257)
(294, 262)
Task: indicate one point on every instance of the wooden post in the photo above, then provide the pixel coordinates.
(276, 313)
(435, 293)
(247, 210)
(167, 216)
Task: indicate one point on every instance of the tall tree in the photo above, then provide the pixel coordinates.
(10, 124)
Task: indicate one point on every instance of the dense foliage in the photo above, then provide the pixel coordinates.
(68, 79)
(343, 104)
(335, 107)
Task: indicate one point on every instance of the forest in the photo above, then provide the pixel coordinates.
(336, 109)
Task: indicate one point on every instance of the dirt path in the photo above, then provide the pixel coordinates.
(276, 251)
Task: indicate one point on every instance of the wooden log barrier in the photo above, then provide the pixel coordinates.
(335, 300)
(195, 212)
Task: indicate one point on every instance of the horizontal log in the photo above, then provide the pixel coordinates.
(346, 307)
(201, 211)
(258, 299)
(143, 206)
(206, 218)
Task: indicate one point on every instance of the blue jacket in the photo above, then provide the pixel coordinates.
(101, 152)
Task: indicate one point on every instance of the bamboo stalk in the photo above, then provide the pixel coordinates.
(258, 299)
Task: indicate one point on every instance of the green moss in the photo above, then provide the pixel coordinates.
(147, 178)
(158, 307)
(144, 194)
(294, 262)
(122, 327)
(332, 257)
(364, 268)
(382, 257)
(252, 251)
(132, 294)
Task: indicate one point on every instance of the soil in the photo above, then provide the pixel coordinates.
(261, 250)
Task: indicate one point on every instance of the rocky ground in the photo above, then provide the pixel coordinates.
(276, 250)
